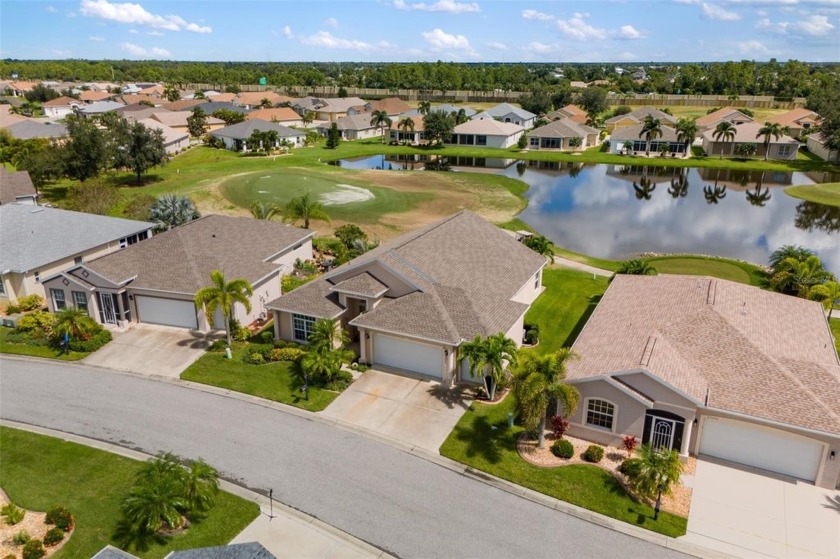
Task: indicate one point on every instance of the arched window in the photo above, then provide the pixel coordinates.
(600, 413)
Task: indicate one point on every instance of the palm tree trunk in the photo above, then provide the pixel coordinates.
(227, 330)
(541, 432)
(490, 385)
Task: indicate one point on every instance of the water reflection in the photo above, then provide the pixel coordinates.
(811, 216)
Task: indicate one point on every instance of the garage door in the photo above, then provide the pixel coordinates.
(760, 447)
(168, 312)
(409, 356)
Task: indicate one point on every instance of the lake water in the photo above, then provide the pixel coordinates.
(615, 211)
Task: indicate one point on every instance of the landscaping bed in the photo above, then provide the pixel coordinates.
(34, 525)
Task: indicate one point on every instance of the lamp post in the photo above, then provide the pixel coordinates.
(658, 503)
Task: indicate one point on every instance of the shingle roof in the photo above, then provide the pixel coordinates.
(391, 105)
(183, 257)
(417, 119)
(33, 236)
(363, 284)
(100, 107)
(244, 129)
(563, 128)
(720, 114)
(179, 118)
(634, 132)
(211, 107)
(88, 96)
(28, 129)
(748, 133)
(340, 104)
(250, 550)
(279, 114)
(503, 109)
(111, 552)
(62, 101)
(170, 135)
(640, 114)
(256, 97)
(446, 107)
(792, 118)
(488, 127)
(14, 185)
(353, 122)
(748, 350)
(183, 104)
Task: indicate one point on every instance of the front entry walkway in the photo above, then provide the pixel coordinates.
(152, 350)
(746, 514)
(414, 411)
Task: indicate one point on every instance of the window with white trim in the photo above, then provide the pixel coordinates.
(785, 150)
(600, 413)
(302, 326)
(80, 300)
(58, 299)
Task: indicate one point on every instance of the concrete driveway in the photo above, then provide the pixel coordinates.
(747, 514)
(414, 411)
(147, 349)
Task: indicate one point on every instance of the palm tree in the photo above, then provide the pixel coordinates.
(328, 335)
(541, 245)
(687, 131)
(828, 293)
(799, 277)
(324, 363)
(644, 189)
(773, 129)
(745, 150)
(679, 186)
(307, 118)
(725, 130)
(651, 129)
(381, 119)
(150, 507)
(759, 197)
(714, 194)
(489, 357)
(265, 103)
(200, 485)
(304, 208)
(224, 295)
(653, 469)
(424, 107)
(637, 267)
(788, 251)
(74, 323)
(405, 124)
(171, 93)
(172, 210)
(536, 381)
(263, 210)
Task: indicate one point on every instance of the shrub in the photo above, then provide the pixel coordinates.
(522, 143)
(61, 517)
(254, 357)
(559, 425)
(340, 381)
(593, 453)
(12, 514)
(33, 549)
(531, 337)
(362, 368)
(286, 354)
(91, 344)
(53, 536)
(238, 332)
(630, 444)
(267, 337)
(563, 449)
(30, 302)
(38, 323)
(630, 467)
(218, 345)
(21, 537)
(532, 326)
(10, 556)
(12, 309)
(292, 282)
(280, 344)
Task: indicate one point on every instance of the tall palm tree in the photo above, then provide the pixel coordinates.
(74, 323)
(536, 381)
(784, 252)
(637, 267)
(327, 334)
(306, 209)
(714, 194)
(771, 129)
(172, 210)
(687, 131)
(651, 129)
(265, 210)
(424, 107)
(726, 131)
(171, 93)
(380, 119)
(828, 293)
(489, 357)
(405, 124)
(223, 295)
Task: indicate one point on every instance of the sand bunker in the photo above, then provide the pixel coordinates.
(346, 194)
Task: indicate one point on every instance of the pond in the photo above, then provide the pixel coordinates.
(616, 211)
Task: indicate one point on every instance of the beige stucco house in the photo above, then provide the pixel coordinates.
(798, 121)
(486, 133)
(728, 114)
(637, 117)
(783, 147)
(556, 135)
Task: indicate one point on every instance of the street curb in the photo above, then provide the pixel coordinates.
(261, 500)
(604, 521)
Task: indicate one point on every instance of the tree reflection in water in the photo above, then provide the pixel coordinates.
(810, 216)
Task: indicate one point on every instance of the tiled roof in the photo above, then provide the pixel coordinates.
(100, 107)
(353, 122)
(748, 133)
(488, 127)
(340, 104)
(363, 284)
(417, 119)
(563, 128)
(183, 104)
(721, 114)
(14, 185)
(279, 114)
(634, 132)
(170, 135)
(640, 114)
(243, 130)
(746, 350)
(7, 117)
(256, 97)
(792, 118)
(180, 260)
(90, 96)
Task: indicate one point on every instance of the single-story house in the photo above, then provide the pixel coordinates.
(174, 140)
(284, 115)
(556, 135)
(178, 120)
(20, 87)
(712, 367)
(634, 134)
(27, 129)
(353, 127)
(334, 109)
(817, 145)
(154, 90)
(397, 134)
(486, 133)
(636, 117)
(91, 96)
(253, 99)
(505, 112)
(798, 120)
(156, 281)
(211, 107)
(182, 104)
(729, 114)
(37, 242)
(60, 107)
(446, 108)
(98, 108)
(17, 188)
(392, 105)
(409, 304)
(136, 112)
(250, 550)
(131, 99)
(236, 135)
(217, 97)
(569, 111)
(783, 147)
(7, 117)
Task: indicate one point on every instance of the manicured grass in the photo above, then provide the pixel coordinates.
(38, 472)
(733, 270)
(272, 381)
(15, 348)
(834, 323)
(565, 305)
(826, 193)
(482, 440)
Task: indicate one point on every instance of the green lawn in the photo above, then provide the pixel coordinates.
(827, 193)
(15, 348)
(733, 270)
(482, 440)
(272, 381)
(835, 329)
(38, 472)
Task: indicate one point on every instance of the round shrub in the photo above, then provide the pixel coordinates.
(218, 345)
(531, 337)
(362, 368)
(21, 537)
(10, 556)
(30, 302)
(286, 354)
(340, 381)
(563, 449)
(37, 323)
(630, 466)
(91, 344)
(33, 549)
(61, 517)
(254, 357)
(593, 453)
(267, 337)
(53, 536)
(280, 344)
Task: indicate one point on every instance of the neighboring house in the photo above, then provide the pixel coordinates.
(711, 367)
(394, 106)
(569, 111)
(446, 108)
(131, 99)
(222, 97)
(155, 90)
(178, 120)
(636, 117)
(334, 109)
(138, 112)
(634, 134)
(7, 117)
(91, 96)
(556, 135)
(578, 84)
(211, 107)
(396, 134)
(99, 108)
(410, 303)
(19, 88)
(353, 127)
(816, 145)
(284, 115)
(729, 114)
(798, 120)
(174, 140)
(37, 242)
(60, 107)
(250, 550)
(131, 89)
(17, 188)
(236, 135)
(486, 133)
(505, 112)
(253, 99)
(156, 281)
(783, 147)
(183, 104)
(27, 129)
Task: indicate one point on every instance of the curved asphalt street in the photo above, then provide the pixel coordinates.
(403, 504)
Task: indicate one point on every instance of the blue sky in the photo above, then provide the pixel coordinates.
(415, 30)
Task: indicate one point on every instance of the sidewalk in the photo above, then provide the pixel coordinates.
(567, 263)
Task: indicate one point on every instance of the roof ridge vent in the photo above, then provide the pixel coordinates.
(648, 351)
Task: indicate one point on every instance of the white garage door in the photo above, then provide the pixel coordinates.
(760, 447)
(409, 356)
(168, 312)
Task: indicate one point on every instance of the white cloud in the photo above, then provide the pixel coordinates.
(135, 14)
(155, 33)
(813, 26)
(51, 9)
(497, 46)
(331, 22)
(60, 52)
(629, 32)
(138, 51)
(96, 39)
(287, 32)
(325, 39)
(535, 47)
(576, 28)
(133, 31)
(715, 12)
(535, 15)
(755, 48)
(442, 40)
(440, 6)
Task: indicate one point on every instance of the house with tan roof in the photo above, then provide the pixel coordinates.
(336, 108)
(131, 99)
(715, 368)
(783, 147)
(569, 111)
(729, 114)
(91, 96)
(123, 287)
(174, 141)
(353, 127)
(178, 120)
(182, 104)
(410, 136)
(60, 107)
(284, 115)
(486, 133)
(410, 304)
(634, 135)
(637, 117)
(798, 120)
(253, 99)
(392, 105)
(561, 133)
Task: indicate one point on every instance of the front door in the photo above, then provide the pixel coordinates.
(662, 433)
(109, 314)
(663, 429)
